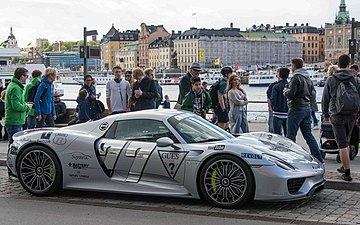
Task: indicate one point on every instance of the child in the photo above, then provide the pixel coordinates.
(166, 103)
(197, 100)
(83, 107)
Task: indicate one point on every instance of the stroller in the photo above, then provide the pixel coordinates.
(328, 143)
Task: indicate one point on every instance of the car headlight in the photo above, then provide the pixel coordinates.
(279, 162)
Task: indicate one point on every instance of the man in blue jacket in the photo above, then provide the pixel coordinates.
(44, 100)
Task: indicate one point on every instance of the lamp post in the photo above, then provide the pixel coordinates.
(86, 53)
(352, 42)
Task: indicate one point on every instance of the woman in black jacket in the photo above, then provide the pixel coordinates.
(144, 91)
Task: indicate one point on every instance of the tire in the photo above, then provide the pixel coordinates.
(39, 171)
(338, 160)
(226, 181)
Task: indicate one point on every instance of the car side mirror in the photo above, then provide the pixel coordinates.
(164, 142)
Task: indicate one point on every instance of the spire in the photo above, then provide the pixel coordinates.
(11, 33)
(342, 16)
(342, 6)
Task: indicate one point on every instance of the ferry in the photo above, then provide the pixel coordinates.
(99, 80)
(169, 81)
(262, 78)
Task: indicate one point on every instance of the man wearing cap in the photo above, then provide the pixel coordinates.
(185, 84)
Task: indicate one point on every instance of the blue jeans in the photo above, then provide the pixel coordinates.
(313, 115)
(271, 122)
(12, 129)
(240, 123)
(45, 119)
(302, 119)
(30, 120)
(279, 125)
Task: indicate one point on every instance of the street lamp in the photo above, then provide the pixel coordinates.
(87, 33)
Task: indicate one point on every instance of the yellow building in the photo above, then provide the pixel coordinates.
(112, 42)
(128, 56)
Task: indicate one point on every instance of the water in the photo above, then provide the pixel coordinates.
(253, 93)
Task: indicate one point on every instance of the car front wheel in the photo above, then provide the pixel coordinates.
(39, 171)
(226, 181)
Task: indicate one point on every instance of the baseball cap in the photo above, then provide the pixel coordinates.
(196, 66)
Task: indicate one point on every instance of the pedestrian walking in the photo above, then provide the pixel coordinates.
(185, 84)
(118, 92)
(44, 100)
(340, 105)
(298, 95)
(237, 101)
(144, 91)
(36, 79)
(15, 106)
(279, 101)
(197, 100)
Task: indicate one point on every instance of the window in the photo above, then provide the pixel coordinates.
(140, 130)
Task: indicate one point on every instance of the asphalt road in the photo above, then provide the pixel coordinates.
(20, 211)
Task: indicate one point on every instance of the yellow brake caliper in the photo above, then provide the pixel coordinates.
(51, 171)
(213, 182)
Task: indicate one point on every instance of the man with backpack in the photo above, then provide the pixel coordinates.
(29, 95)
(340, 105)
(298, 94)
(218, 97)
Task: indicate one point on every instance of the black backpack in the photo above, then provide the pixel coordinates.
(32, 92)
(347, 99)
(213, 92)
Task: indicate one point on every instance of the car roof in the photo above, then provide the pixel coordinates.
(159, 114)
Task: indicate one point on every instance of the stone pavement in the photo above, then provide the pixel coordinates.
(327, 207)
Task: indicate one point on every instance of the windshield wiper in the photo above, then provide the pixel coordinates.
(210, 140)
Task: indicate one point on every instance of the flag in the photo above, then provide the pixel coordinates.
(4, 43)
(217, 61)
(236, 66)
(256, 68)
(194, 14)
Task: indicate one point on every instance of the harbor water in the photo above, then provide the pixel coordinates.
(257, 111)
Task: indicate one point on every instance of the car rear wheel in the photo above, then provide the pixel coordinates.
(226, 181)
(39, 171)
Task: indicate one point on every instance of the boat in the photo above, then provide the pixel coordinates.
(169, 81)
(211, 76)
(262, 78)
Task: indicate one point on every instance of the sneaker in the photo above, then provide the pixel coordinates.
(316, 127)
(346, 177)
(341, 169)
(13, 178)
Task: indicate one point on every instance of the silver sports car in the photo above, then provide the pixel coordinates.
(167, 153)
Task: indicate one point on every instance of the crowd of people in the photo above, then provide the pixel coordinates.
(291, 104)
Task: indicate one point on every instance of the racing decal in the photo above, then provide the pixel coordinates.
(60, 139)
(103, 126)
(78, 166)
(78, 175)
(172, 161)
(251, 156)
(217, 147)
(46, 135)
(79, 156)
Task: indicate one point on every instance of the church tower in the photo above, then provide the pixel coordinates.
(343, 16)
(12, 42)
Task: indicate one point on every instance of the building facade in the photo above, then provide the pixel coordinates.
(128, 56)
(111, 42)
(71, 60)
(338, 34)
(228, 46)
(147, 35)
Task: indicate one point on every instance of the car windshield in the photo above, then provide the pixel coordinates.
(194, 129)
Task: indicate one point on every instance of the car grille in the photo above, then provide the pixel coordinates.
(295, 184)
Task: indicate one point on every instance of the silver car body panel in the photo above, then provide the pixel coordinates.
(92, 162)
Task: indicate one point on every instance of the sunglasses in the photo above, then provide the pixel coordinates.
(56, 96)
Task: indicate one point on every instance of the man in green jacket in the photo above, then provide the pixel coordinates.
(197, 100)
(15, 106)
(30, 120)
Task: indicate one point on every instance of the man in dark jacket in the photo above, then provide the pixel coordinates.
(144, 91)
(298, 94)
(60, 107)
(279, 102)
(342, 123)
(90, 88)
(185, 84)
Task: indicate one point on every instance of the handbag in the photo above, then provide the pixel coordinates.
(100, 108)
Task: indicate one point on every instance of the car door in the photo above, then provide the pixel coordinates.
(129, 153)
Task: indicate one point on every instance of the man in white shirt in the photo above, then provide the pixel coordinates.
(118, 92)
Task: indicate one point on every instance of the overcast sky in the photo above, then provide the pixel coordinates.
(65, 19)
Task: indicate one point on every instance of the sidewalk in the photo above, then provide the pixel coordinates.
(332, 176)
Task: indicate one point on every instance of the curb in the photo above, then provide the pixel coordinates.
(329, 184)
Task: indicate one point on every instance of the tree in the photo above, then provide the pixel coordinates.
(89, 43)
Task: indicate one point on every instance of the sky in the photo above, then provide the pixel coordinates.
(64, 20)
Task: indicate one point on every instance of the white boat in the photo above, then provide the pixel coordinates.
(99, 80)
(169, 81)
(262, 78)
(211, 76)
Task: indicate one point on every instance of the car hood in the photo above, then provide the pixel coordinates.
(276, 145)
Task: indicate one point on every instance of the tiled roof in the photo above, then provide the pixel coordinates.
(224, 32)
(267, 35)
